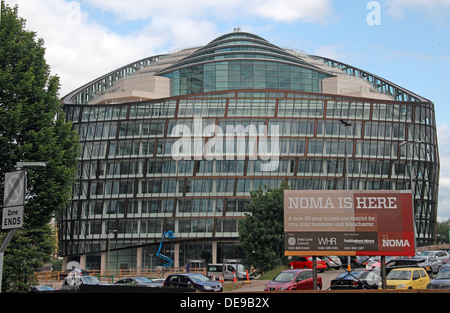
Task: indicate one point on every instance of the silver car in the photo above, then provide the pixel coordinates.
(430, 262)
(332, 261)
(443, 256)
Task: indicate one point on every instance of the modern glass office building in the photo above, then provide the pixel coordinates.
(176, 142)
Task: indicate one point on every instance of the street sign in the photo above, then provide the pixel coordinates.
(15, 183)
(12, 217)
(14, 199)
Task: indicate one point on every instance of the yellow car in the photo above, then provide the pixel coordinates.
(407, 278)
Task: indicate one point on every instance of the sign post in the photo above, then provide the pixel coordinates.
(13, 203)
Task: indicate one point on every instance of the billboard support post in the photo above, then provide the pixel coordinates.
(383, 272)
(314, 260)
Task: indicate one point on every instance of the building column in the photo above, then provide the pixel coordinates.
(103, 260)
(176, 257)
(83, 261)
(138, 260)
(64, 263)
(214, 252)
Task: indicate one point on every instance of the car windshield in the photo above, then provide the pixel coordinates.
(443, 274)
(285, 276)
(351, 275)
(399, 275)
(199, 278)
(143, 280)
(427, 253)
(91, 280)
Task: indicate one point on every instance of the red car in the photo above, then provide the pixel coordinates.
(293, 280)
(307, 262)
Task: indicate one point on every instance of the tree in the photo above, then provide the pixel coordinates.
(443, 232)
(32, 126)
(261, 234)
(26, 253)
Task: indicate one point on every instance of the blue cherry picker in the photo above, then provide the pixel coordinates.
(168, 234)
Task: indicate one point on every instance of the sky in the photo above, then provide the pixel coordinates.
(404, 41)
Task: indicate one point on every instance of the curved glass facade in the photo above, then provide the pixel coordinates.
(242, 61)
(235, 122)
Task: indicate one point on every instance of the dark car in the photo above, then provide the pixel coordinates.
(359, 279)
(354, 262)
(416, 261)
(404, 262)
(73, 282)
(295, 279)
(441, 281)
(192, 280)
(139, 281)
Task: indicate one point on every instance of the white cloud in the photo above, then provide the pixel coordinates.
(77, 48)
(289, 11)
(396, 8)
(277, 10)
(80, 49)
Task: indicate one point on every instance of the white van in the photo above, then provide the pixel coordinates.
(227, 270)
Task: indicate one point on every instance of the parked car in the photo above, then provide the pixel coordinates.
(357, 279)
(43, 289)
(408, 262)
(192, 280)
(79, 272)
(295, 279)
(228, 271)
(332, 262)
(307, 262)
(407, 278)
(441, 281)
(445, 266)
(353, 261)
(373, 263)
(430, 262)
(443, 256)
(139, 281)
(73, 282)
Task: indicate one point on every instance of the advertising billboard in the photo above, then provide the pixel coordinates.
(348, 222)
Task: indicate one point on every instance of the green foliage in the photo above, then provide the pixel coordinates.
(442, 233)
(262, 232)
(27, 252)
(32, 126)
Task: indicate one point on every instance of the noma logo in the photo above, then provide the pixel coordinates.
(396, 243)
